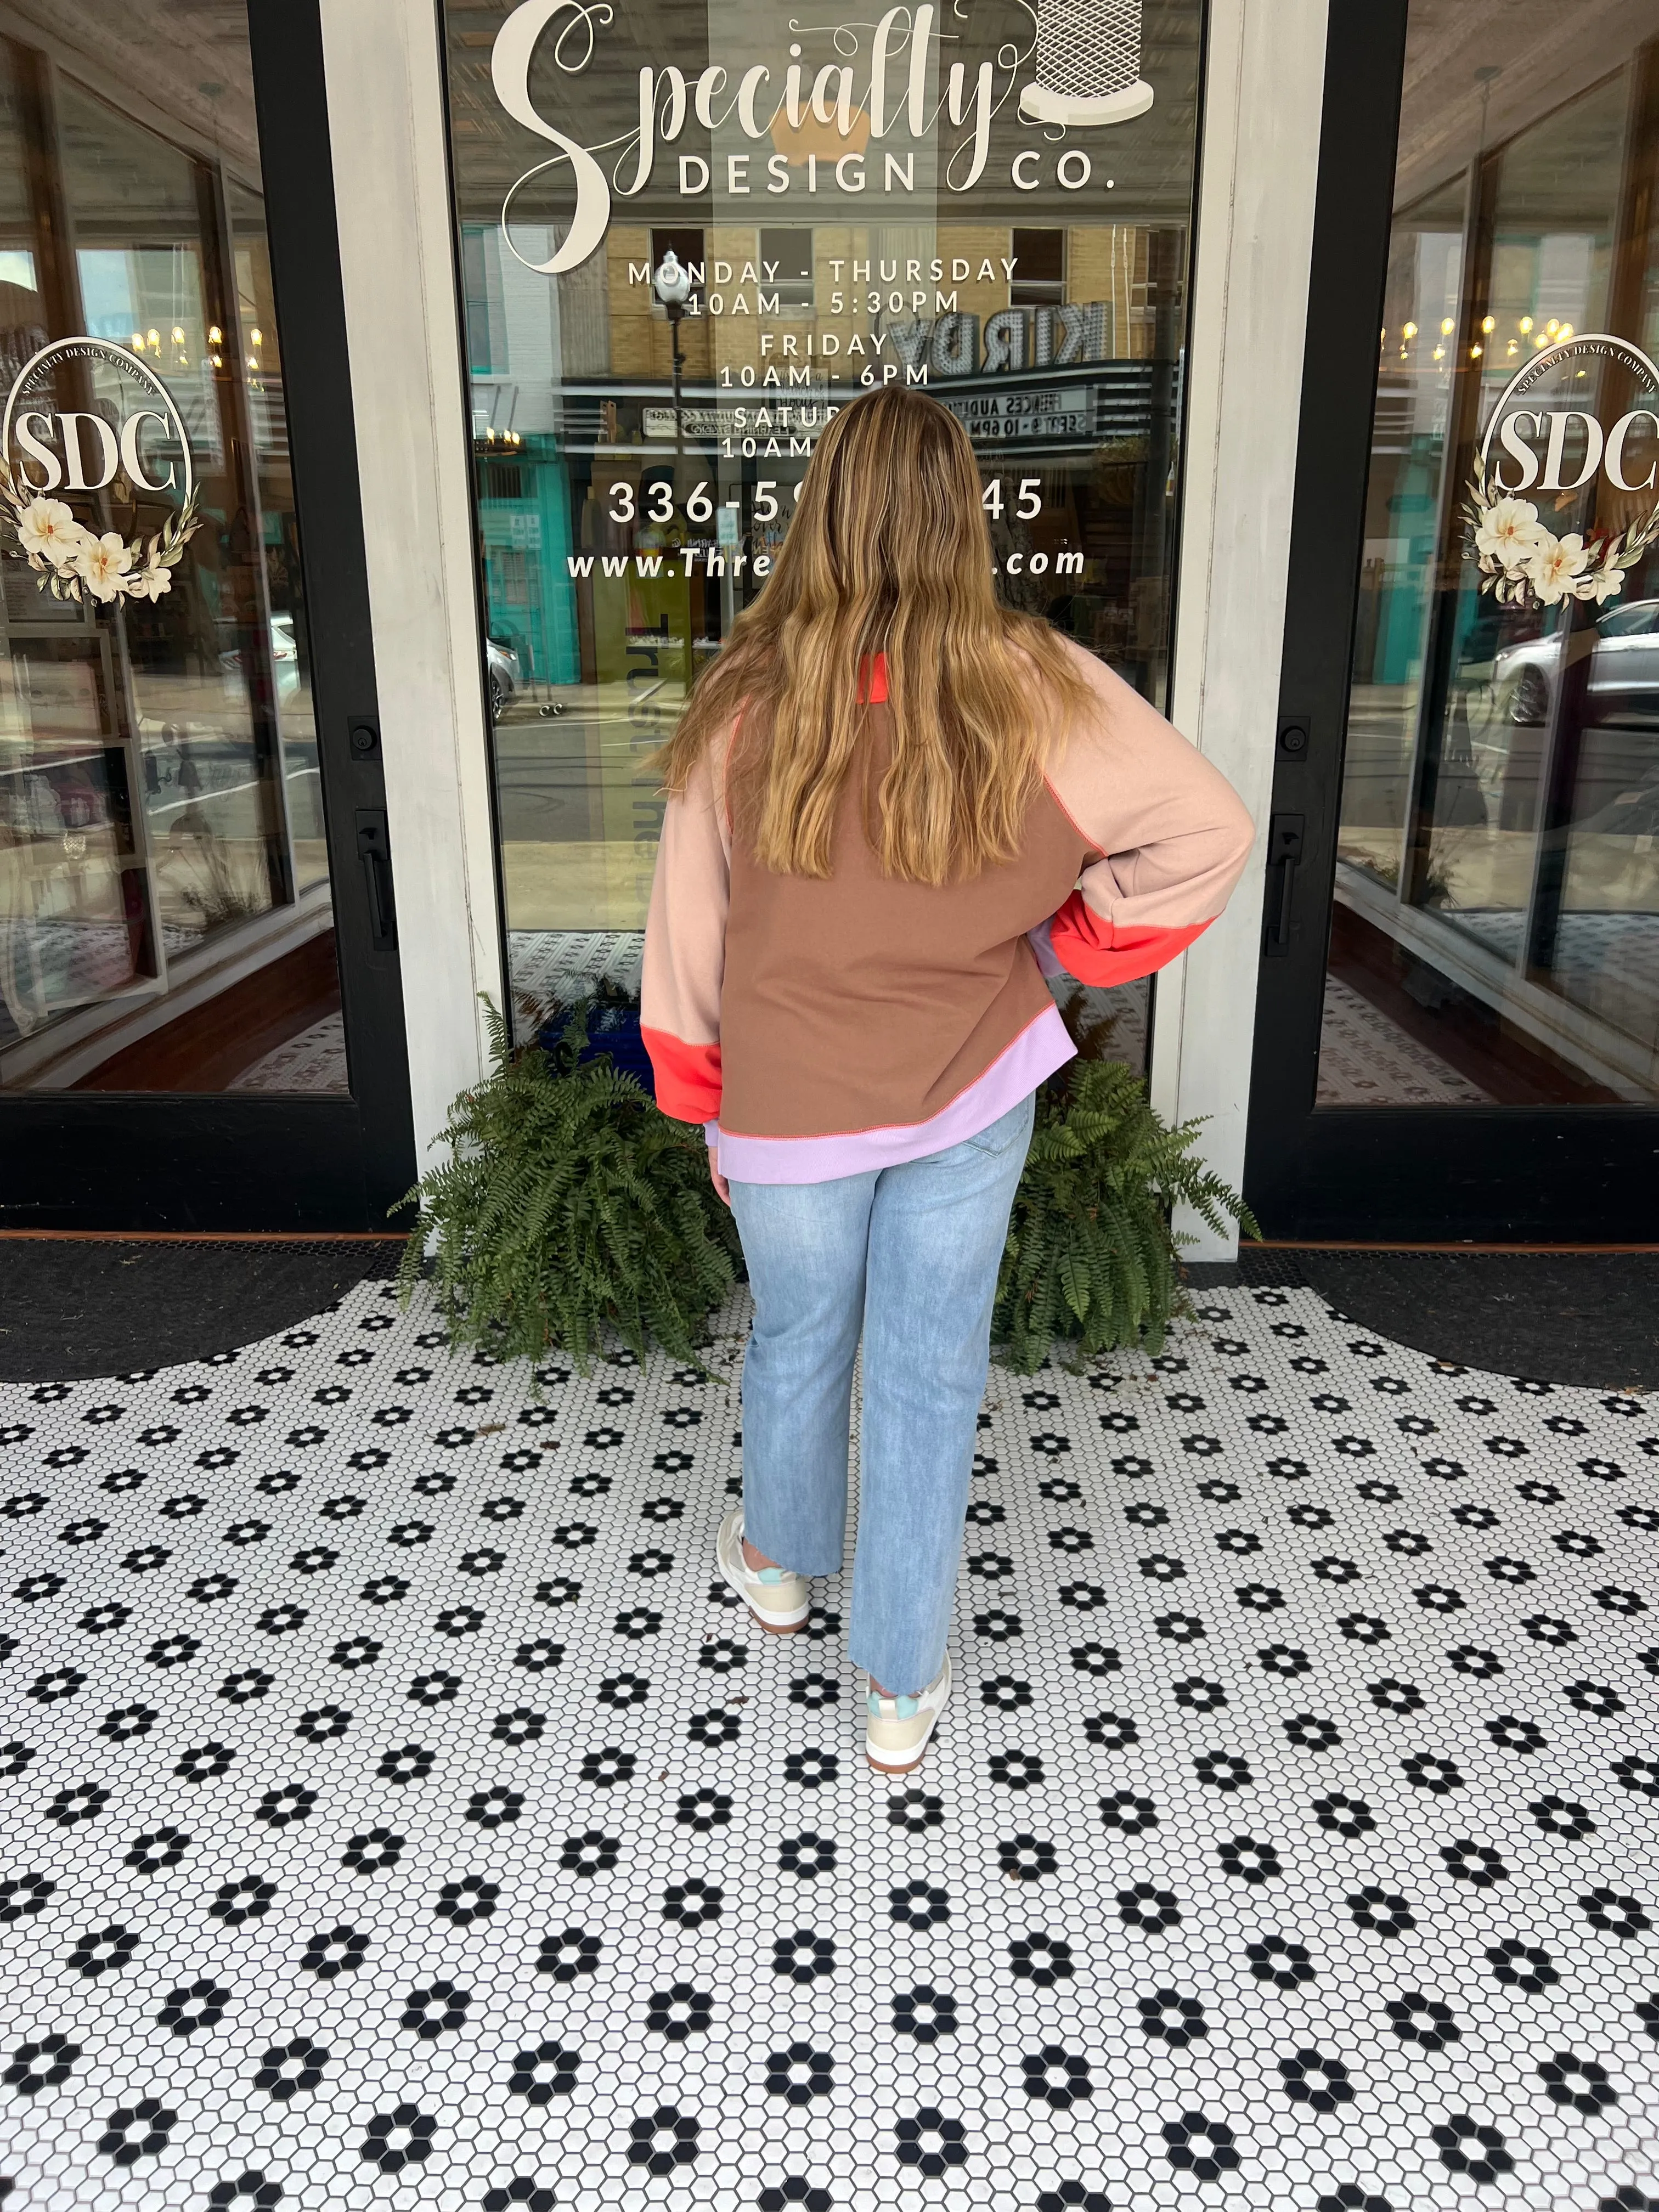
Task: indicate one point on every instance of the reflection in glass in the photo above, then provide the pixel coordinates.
(165, 917)
(637, 456)
(1495, 937)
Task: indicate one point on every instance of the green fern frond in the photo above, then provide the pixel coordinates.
(568, 1213)
(1091, 1259)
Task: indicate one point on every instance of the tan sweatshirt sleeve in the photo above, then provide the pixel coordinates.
(685, 948)
(1172, 835)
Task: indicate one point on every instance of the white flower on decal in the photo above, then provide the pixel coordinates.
(1523, 563)
(101, 563)
(47, 531)
(150, 581)
(1555, 565)
(1601, 585)
(1510, 533)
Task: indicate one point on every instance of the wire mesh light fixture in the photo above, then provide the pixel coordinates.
(1088, 63)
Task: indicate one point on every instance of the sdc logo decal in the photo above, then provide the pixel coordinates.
(1548, 446)
(130, 442)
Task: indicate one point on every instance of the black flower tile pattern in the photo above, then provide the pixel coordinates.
(399, 1812)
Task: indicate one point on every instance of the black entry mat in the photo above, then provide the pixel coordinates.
(1590, 1318)
(71, 1309)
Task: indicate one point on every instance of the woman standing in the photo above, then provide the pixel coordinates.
(893, 808)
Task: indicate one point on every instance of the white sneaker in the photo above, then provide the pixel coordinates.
(897, 1730)
(778, 1599)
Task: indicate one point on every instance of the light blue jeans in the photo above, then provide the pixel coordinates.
(908, 1255)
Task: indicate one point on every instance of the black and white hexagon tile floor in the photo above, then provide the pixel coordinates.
(400, 1813)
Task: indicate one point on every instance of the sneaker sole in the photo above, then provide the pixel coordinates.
(774, 1628)
(884, 1766)
(877, 1766)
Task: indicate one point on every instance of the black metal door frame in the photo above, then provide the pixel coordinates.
(89, 1160)
(1415, 1174)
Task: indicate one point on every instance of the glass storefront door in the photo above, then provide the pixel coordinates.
(1496, 934)
(1493, 947)
(686, 236)
(165, 916)
(167, 904)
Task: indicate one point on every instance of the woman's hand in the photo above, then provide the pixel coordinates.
(722, 1187)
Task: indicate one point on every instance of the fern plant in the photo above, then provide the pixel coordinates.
(1091, 1257)
(569, 1209)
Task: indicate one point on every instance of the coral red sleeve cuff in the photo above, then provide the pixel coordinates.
(687, 1076)
(1089, 948)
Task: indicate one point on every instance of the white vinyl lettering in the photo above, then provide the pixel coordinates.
(672, 122)
(509, 70)
(132, 460)
(753, 79)
(710, 85)
(1613, 455)
(36, 451)
(1509, 437)
(956, 106)
(1554, 452)
(73, 453)
(840, 112)
(883, 40)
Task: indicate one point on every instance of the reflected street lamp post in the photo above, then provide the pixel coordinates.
(672, 286)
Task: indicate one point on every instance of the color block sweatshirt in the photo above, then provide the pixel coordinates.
(820, 1028)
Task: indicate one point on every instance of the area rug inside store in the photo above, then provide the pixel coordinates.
(399, 1811)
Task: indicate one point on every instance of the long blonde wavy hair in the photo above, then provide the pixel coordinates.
(888, 553)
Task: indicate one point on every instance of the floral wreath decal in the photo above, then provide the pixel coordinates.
(64, 554)
(70, 559)
(1522, 560)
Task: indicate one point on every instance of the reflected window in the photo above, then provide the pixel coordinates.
(164, 915)
(786, 269)
(1039, 278)
(844, 218)
(1495, 935)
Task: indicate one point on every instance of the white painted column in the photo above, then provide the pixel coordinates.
(1253, 248)
(398, 264)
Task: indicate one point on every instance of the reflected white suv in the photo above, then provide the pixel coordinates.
(1624, 673)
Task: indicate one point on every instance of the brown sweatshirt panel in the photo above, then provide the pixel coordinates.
(860, 1001)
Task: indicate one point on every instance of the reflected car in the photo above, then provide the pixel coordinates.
(503, 665)
(1623, 671)
(284, 654)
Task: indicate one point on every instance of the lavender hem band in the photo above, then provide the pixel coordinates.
(1042, 1047)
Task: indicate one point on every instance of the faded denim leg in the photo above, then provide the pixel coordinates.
(805, 1245)
(937, 1230)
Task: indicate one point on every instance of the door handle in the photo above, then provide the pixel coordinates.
(374, 851)
(1285, 837)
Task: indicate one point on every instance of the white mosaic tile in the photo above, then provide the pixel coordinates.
(399, 1813)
